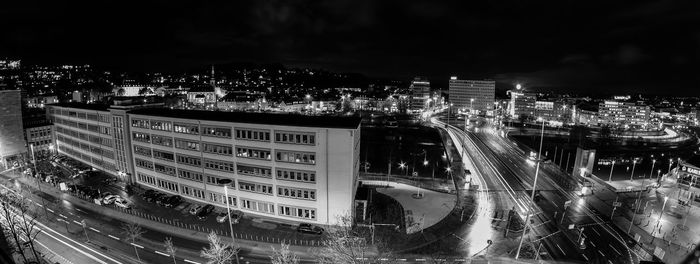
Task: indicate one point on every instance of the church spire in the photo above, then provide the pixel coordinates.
(212, 80)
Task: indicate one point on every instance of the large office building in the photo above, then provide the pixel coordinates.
(625, 114)
(289, 167)
(12, 144)
(522, 104)
(420, 93)
(477, 96)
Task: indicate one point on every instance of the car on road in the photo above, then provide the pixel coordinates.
(173, 201)
(122, 203)
(195, 209)
(223, 216)
(206, 210)
(309, 229)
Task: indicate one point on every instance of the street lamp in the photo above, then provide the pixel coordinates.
(471, 106)
(532, 195)
(634, 164)
(226, 182)
(402, 165)
(611, 170)
(518, 86)
(651, 173)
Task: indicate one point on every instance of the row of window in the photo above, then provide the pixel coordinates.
(219, 165)
(294, 175)
(253, 205)
(89, 116)
(143, 151)
(218, 149)
(164, 155)
(250, 134)
(295, 157)
(189, 160)
(255, 187)
(296, 193)
(295, 138)
(253, 153)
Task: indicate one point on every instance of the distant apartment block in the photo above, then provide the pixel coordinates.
(522, 104)
(553, 111)
(12, 142)
(629, 114)
(476, 95)
(420, 92)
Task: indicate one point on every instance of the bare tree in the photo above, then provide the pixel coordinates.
(10, 222)
(284, 255)
(218, 252)
(133, 232)
(27, 224)
(345, 244)
(168, 243)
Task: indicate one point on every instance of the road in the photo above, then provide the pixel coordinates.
(506, 167)
(603, 241)
(61, 230)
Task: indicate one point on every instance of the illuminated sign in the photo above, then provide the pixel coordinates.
(691, 170)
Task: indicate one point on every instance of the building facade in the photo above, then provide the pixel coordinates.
(522, 104)
(12, 143)
(476, 95)
(627, 114)
(420, 93)
(288, 167)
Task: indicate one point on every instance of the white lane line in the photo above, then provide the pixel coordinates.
(98, 231)
(584, 256)
(113, 237)
(609, 261)
(161, 253)
(596, 231)
(562, 251)
(65, 217)
(50, 210)
(421, 259)
(137, 245)
(601, 253)
(193, 262)
(77, 249)
(401, 259)
(80, 210)
(77, 222)
(458, 260)
(590, 241)
(618, 252)
(37, 204)
(53, 252)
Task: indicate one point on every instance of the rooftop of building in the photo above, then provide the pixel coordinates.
(85, 106)
(255, 118)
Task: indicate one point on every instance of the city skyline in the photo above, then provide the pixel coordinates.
(547, 46)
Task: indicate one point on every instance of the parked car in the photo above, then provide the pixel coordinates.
(154, 197)
(123, 204)
(148, 193)
(195, 209)
(173, 201)
(109, 199)
(223, 217)
(205, 212)
(309, 229)
(162, 199)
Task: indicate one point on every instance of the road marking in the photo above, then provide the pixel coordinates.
(137, 245)
(601, 253)
(50, 210)
(63, 216)
(562, 251)
(383, 259)
(37, 204)
(193, 262)
(609, 261)
(85, 253)
(77, 222)
(584, 256)
(590, 241)
(421, 260)
(401, 259)
(113, 237)
(596, 231)
(161, 253)
(618, 252)
(80, 210)
(98, 231)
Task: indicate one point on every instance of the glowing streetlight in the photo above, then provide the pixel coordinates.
(651, 173)
(226, 182)
(611, 170)
(634, 164)
(518, 86)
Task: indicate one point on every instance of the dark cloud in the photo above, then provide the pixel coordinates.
(558, 44)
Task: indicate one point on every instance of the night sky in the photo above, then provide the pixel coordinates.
(581, 46)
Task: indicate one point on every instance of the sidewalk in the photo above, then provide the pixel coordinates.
(663, 238)
(250, 247)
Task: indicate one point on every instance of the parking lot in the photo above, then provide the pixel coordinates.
(99, 187)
